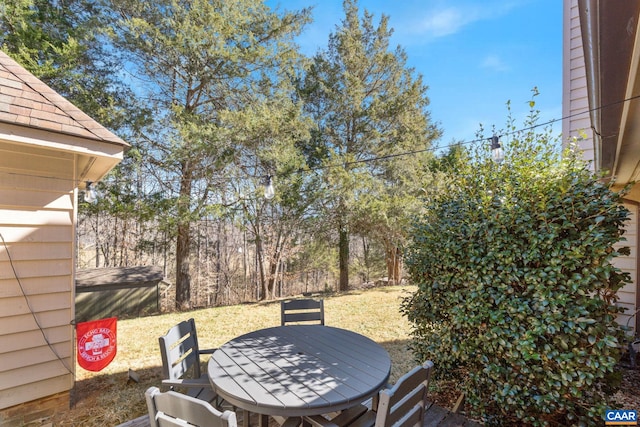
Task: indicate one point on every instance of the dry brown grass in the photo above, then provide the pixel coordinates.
(108, 398)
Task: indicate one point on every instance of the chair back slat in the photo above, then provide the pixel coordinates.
(179, 351)
(185, 365)
(163, 420)
(302, 311)
(173, 409)
(404, 404)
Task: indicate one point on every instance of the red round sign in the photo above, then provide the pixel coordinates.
(97, 343)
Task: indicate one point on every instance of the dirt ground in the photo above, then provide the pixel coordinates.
(627, 397)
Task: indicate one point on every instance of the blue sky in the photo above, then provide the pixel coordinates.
(474, 55)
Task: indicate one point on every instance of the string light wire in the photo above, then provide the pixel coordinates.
(372, 159)
(468, 142)
(408, 153)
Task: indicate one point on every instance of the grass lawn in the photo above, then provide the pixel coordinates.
(108, 398)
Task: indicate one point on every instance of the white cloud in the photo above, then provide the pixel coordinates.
(494, 62)
(445, 19)
(443, 22)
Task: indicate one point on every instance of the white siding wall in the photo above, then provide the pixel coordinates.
(578, 127)
(36, 222)
(575, 105)
(627, 296)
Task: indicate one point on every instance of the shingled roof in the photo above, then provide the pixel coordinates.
(27, 101)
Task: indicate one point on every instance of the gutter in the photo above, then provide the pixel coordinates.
(589, 23)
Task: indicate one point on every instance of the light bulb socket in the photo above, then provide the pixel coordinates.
(496, 149)
(269, 191)
(90, 194)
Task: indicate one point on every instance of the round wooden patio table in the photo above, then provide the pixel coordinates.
(298, 370)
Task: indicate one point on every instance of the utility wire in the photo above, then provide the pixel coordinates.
(468, 142)
(31, 310)
(372, 159)
(406, 153)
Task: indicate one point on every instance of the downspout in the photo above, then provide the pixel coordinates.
(588, 10)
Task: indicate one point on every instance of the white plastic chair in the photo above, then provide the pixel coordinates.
(172, 409)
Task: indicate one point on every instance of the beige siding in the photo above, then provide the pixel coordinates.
(34, 285)
(32, 338)
(36, 273)
(628, 295)
(46, 146)
(576, 127)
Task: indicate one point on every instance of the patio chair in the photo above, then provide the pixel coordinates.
(309, 311)
(403, 405)
(179, 410)
(181, 362)
(634, 342)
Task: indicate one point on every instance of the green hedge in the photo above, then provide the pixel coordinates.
(516, 289)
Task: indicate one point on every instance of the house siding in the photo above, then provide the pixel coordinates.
(37, 193)
(48, 150)
(577, 128)
(628, 295)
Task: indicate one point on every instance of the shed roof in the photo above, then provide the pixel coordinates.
(27, 101)
(118, 275)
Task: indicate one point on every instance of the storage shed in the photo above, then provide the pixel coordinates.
(117, 292)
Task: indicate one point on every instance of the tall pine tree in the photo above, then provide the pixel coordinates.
(367, 104)
(206, 62)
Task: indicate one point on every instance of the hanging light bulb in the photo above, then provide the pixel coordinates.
(90, 195)
(496, 150)
(269, 191)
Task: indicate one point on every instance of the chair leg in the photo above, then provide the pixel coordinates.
(263, 420)
(632, 352)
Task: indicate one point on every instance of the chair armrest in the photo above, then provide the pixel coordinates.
(207, 350)
(201, 382)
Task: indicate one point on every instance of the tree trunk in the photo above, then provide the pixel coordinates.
(114, 251)
(245, 266)
(365, 252)
(394, 264)
(271, 283)
(183, 275)
(274, 269)
(260, 261)
(343, 249)
(124, 252)
(183, 243)
(97, 239)
(218, 264)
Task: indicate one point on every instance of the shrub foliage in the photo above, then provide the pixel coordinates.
(516, 287)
